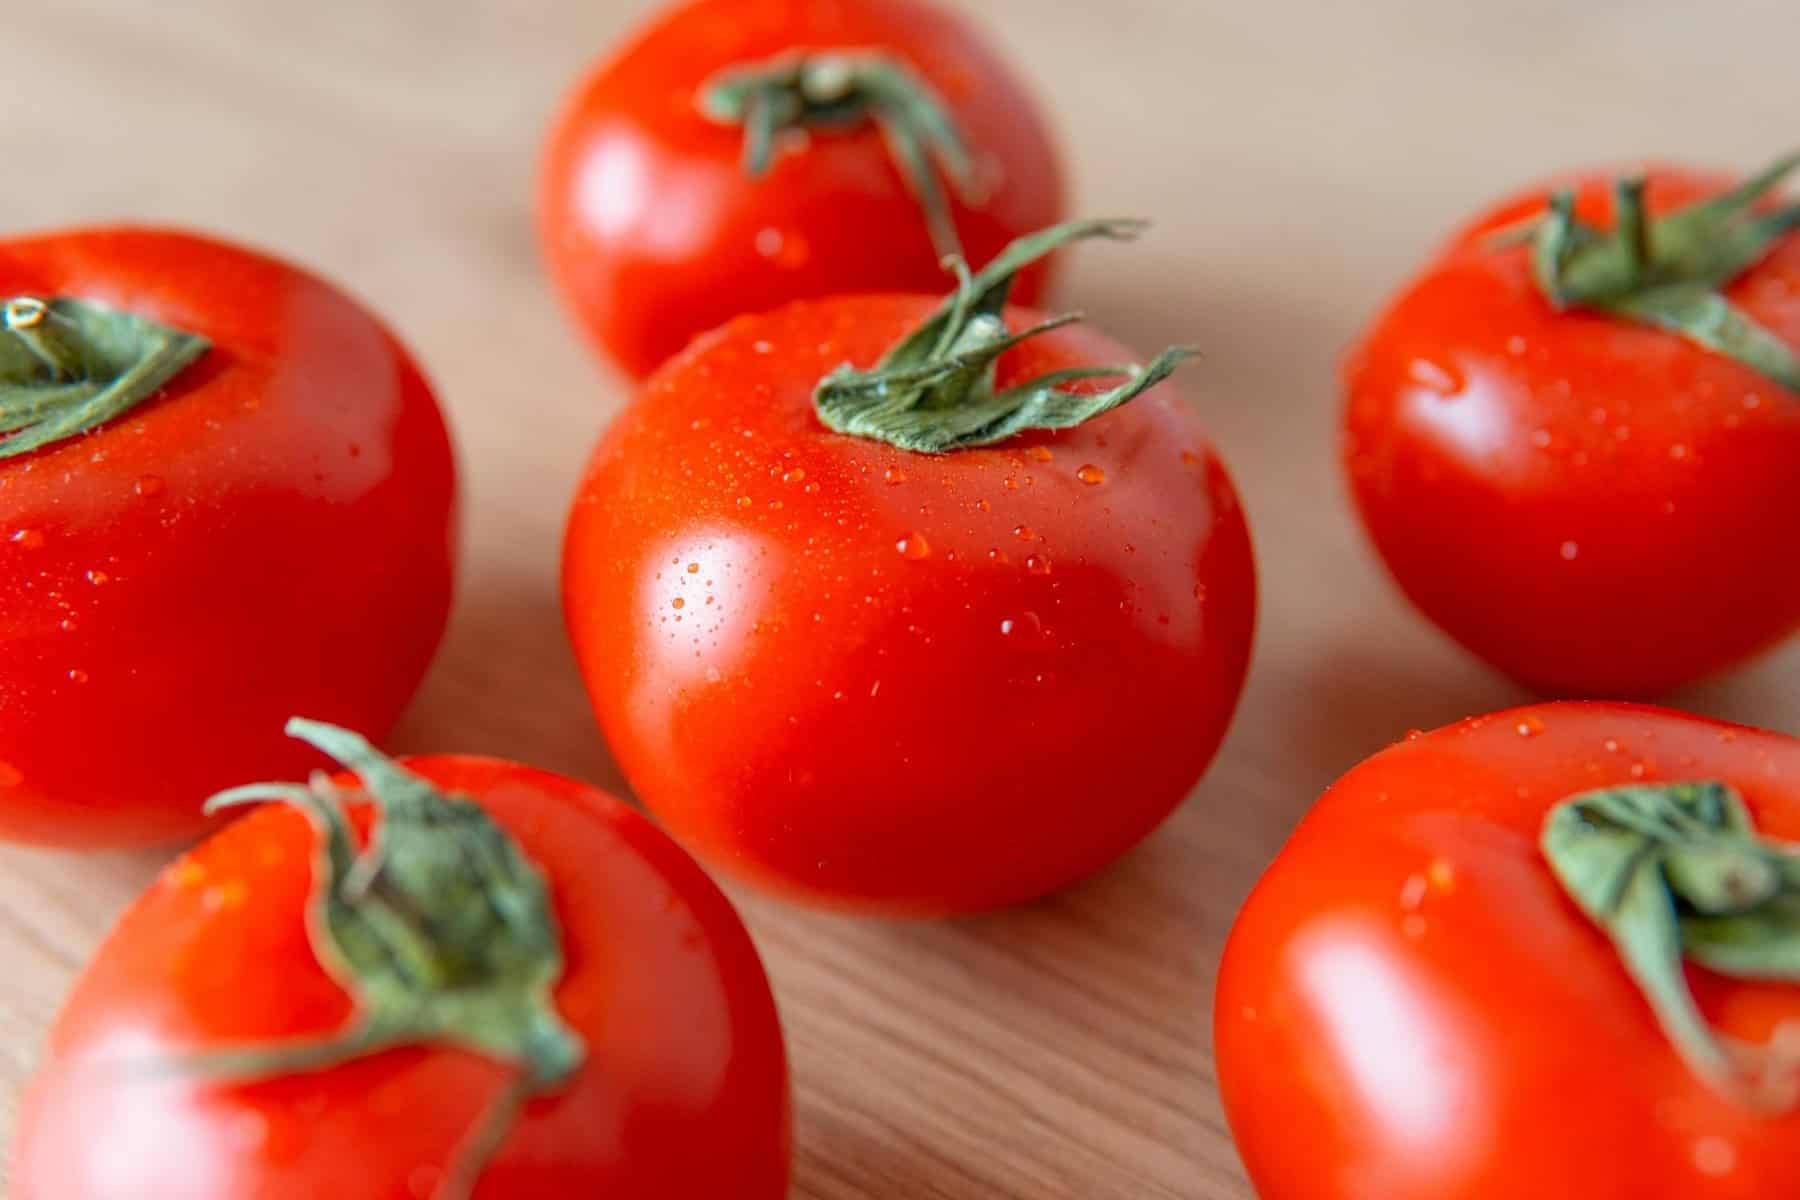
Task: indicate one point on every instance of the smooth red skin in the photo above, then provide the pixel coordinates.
(1502, 1052)
(835, 720)
(650, 224)
(684, 1095)
(271, 535)
(1679, 531)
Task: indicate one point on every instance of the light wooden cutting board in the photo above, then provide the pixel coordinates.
(1299, 158)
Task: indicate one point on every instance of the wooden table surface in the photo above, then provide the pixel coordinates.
(1298, 157)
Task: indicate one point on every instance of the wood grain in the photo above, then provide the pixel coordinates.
(1298, 157)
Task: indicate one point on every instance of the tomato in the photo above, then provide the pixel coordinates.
(272, 529)
(1589, 500)
(655, 231)
(1412, 1004)
(901, 682)
(670, 1078)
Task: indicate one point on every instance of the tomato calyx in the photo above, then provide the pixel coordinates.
(934, 391)
(1678, 870)
(440, 929)
(68, 366)
(1666, 272)
(799, 92)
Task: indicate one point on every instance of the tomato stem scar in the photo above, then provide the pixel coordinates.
(935, 390)
(439, 928)
(68, 366)
(1667, 272)
(1678, 871)
(844, 89)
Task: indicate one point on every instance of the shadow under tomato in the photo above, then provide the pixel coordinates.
(1755, 694)
(505, 684)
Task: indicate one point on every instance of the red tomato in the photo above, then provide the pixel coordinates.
(1411, 1007)
(681, 1095)
(655, 232)
(273, 531)
(899, 682)
(1590, 504)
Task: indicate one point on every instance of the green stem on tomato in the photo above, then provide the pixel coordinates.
(1678, 871)
(68, 366)
(841, 89)
(935, 391)
(440, 929)
(1667, 271)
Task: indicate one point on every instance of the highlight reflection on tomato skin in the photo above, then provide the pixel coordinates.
(655, 234)
(1410, 1008)
(900, 683)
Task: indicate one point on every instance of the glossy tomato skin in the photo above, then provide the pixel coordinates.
(1591, 506)
(894, 682)
(684, 1094)
(271, 534)
(655, 234)
(1409, 1007)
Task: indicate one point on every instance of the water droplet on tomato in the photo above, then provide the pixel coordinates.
(98, 577)
(744, 502)
(678, 603)
(1039, 453)
(893, 475)
(983, 506)
(1037, 564)
(1570, 551)
(68, 625)
(149, 486)
(1611, 745)
(1435, 377)
(693, 568)
(1025, 631)
(29, 539)
(1714, 1156)
(1091, 475)
(1678, 451)
(1515, 346)
(1023, 533)
(77, 675)
(783, 247)
(1529, 726)
(913, 546)
(1540, 438)
(794, 476)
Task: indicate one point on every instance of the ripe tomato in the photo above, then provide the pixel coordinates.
(881, 111)
(1413, 1006)
(902, 682)
(1586, 497)
(273, 529)
(550, 902)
